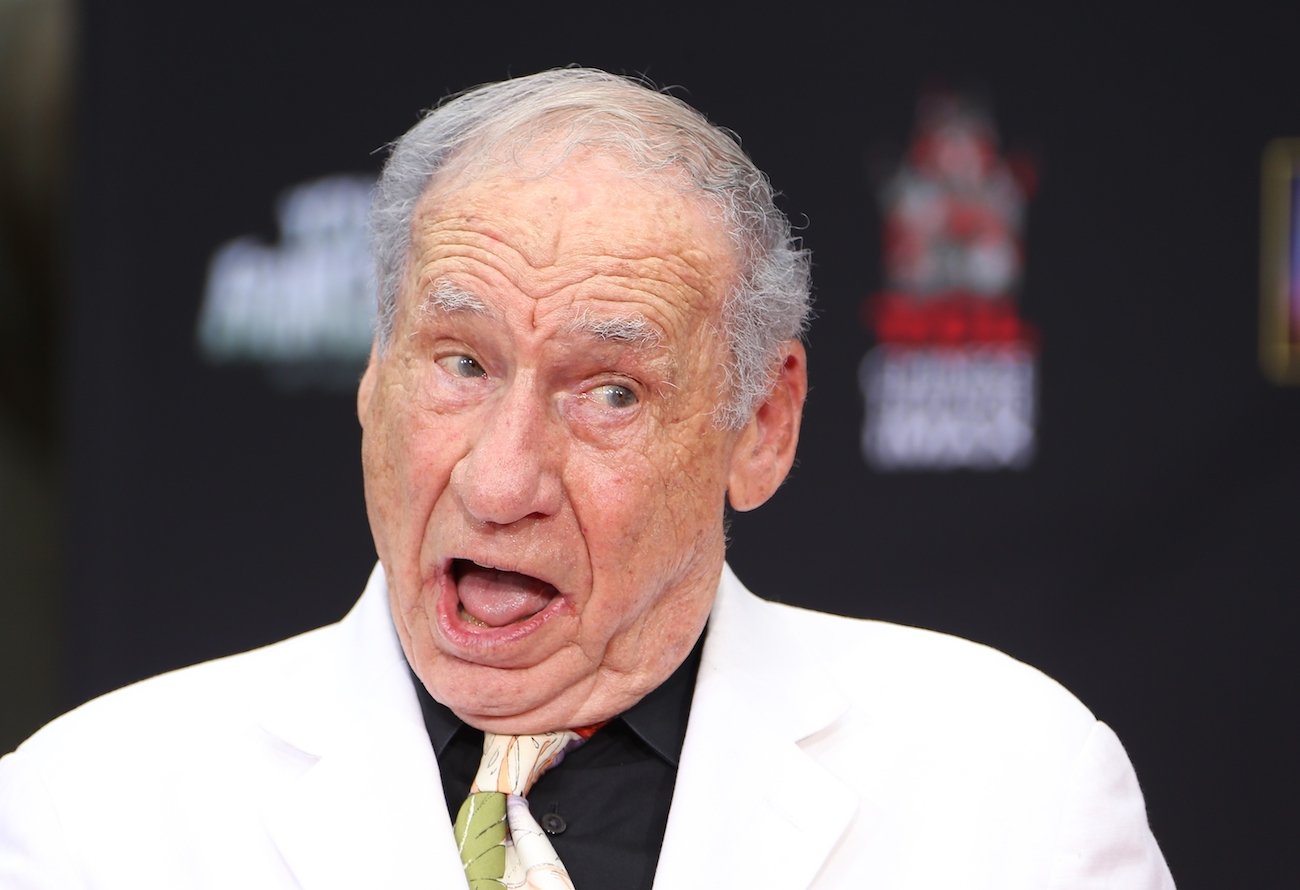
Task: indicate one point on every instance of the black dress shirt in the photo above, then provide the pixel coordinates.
(606, 805)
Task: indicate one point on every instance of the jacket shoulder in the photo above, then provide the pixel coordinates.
(926, 681)
(182, 703)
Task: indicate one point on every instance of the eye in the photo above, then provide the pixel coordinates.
(462, 366)
(614, 396)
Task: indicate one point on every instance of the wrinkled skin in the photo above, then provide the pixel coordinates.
(525, 433)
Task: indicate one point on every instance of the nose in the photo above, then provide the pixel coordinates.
(511, 469)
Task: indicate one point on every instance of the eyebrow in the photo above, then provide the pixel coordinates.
(634, 329)
(447, 297)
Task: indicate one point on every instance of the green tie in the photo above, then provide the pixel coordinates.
(500, 842)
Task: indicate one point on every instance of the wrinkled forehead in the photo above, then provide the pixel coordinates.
(586, 213)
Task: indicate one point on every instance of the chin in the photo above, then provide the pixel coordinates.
(501, 700)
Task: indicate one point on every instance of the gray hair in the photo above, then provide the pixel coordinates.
(770, 301)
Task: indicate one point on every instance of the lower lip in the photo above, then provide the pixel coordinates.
(476, 642)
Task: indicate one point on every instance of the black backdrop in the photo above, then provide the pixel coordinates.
(1144, 558)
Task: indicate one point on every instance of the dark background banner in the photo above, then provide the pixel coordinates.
(1145, 558)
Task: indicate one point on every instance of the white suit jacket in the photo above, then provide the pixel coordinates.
(821, 752)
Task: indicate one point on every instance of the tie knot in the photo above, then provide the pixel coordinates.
(512, 763)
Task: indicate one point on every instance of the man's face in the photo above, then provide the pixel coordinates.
(544, 477)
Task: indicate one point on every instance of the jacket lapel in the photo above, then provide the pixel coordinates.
(751, 808)
(367, 808)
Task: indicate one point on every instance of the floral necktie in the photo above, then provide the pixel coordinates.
(500, 842)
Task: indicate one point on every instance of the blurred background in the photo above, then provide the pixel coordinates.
(1049, 406)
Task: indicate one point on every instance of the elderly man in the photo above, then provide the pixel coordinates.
(588, 342)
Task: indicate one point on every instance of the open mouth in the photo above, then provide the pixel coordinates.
(491, 597)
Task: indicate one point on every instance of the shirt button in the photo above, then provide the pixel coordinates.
(553, 823)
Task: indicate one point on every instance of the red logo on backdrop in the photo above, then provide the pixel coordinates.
(952, 381)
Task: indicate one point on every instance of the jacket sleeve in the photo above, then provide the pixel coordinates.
(1104, 839)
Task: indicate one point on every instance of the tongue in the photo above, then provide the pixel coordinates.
(498, 598)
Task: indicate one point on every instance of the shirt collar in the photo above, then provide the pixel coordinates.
(659, 719)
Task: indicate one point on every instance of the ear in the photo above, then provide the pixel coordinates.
(764, 451)
(366, 390)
